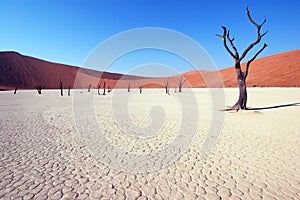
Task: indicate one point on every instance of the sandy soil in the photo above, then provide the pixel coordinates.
(48, 145)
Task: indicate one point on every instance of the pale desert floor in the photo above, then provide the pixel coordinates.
(45, 155)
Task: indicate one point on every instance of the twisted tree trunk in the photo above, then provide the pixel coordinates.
(242, 101)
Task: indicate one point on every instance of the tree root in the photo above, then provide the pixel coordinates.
(236, 108)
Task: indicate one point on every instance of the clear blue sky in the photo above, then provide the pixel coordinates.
(66, 31)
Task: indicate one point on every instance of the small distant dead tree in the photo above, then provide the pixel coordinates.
(104, 85)
(39, 89)
(141, 88)
(15, 92)
(61, 87)
(128, 87)
(89, 88)
(167, 85)
(98, 87)
(109, 89)
(69, 91)
(242, 75)
(181, 81)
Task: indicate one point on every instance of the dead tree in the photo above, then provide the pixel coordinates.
(98, 87)
(15, 92)
(109, 89)
(181, 81)
(39, 89)
(104, 85)
(128, 87)
(89, 88)
(242, 75)
(167, 85)
(141, 88)
(61, 88)
(69, 91)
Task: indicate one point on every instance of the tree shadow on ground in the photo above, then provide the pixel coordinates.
(277, 106)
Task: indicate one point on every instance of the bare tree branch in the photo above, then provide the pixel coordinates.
(232, 45)
(220, 36)
(259, 36)
(253, 58)
(264, 34)
(181, 80)
(223, 37)
(250, 18)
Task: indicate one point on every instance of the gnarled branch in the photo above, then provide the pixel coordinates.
(253, 58)
(232, 45)
(259, 35)
(224, 37)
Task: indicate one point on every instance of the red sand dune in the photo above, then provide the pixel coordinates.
(27, 72)
(16, 70)
(280, 70)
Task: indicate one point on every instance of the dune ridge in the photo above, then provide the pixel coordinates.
(16, 70)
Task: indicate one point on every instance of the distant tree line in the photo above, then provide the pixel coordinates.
(103, 85)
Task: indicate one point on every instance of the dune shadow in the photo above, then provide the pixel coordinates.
(277, 106)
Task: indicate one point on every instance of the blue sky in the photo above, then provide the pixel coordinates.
(66, 31)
